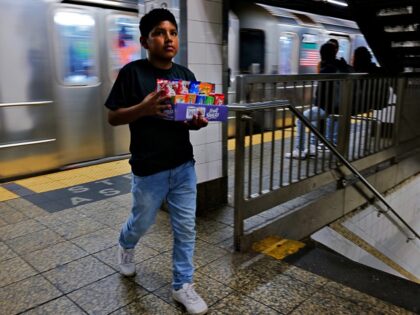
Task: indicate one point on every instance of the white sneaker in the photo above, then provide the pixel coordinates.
(312, 150)
(322, 147)
(190, 299)
(296, 154)
(126, 261)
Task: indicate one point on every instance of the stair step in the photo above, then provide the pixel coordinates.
(384, 3)
(395, 20)
(411, 62)
(403, 36)
(403, 51)
(387, 23)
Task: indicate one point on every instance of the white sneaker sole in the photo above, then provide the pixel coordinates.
(125, 274)
(200, 313)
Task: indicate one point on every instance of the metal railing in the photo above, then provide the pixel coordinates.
(274, 165)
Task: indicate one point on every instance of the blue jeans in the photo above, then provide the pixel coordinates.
(314, 114)
(178, 186)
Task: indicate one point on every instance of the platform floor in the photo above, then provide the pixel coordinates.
(58, 242)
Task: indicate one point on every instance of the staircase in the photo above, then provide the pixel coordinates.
(392, 29)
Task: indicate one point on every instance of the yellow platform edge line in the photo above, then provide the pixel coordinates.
(277, 247)
(267, 137)
(342, 230)
(74, 177)
(6, 194)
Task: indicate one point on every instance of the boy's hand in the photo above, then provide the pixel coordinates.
(153, 104)
(197, 122)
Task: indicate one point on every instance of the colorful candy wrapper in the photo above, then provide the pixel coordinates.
(200, 99)
(194, 87)
(190, 98)
(165, 85)
(219, 99)
(206, 88)
(178, 99)
(182, 87)
(209, 100)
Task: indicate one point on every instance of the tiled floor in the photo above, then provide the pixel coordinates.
(64, 262)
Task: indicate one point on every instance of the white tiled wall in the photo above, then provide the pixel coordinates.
(205, 60)
(384, 235)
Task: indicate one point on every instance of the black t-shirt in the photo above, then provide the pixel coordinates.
(156, 144)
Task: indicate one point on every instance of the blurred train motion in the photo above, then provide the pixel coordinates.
(58, 63)
(270, 40)
(58, 60)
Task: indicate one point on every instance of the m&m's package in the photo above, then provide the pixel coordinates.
(190, 97)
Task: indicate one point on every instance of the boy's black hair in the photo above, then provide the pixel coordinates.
(153, 18)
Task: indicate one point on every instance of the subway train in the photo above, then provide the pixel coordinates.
(264, 39)
(58, 61)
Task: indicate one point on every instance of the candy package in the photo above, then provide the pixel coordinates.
(206, 88)
(194, 87)
(219, 99)
(190, 97)
(165, 85)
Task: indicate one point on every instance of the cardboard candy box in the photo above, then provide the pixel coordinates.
(190, 98)
(185, 111)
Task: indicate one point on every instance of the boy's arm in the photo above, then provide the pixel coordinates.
(150, 106)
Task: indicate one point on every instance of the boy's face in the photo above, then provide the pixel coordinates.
(162, 41)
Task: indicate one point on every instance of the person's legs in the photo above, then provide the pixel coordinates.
(182, 206)
(148, 194)
(300, 134)
(332, 129)
(316, 116)
(313, 114)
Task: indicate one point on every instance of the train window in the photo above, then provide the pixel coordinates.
(76, 54)
(252, 51)
(344, 48)
(288, 53)
(309, 54)
(124, 45)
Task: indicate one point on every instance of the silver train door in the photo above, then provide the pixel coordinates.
(27, 109)
(76, 82)
(120, 45)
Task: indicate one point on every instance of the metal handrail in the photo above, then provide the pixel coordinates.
(25, 103)
(343, 160)
(307, 123)
(275, 78)
(258, 105)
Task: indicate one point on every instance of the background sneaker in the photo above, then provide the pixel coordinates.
(126, 261)
(296, 154)
(323, 147)
(312, 150)
(190, 299)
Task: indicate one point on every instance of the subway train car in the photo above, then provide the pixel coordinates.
(59, 60)
(270, 40)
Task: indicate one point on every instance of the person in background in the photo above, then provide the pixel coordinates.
(161, 154)
(362, 61)
(341, 63)
(325, 105)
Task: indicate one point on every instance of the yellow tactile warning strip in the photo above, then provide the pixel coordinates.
(277, 247)
(373, 251)
(63, 179)
(6, 195)
(75, 177)
(256, 138)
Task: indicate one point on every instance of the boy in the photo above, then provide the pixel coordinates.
(161, 153)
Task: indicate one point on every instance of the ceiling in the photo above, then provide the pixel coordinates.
(313, 6)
